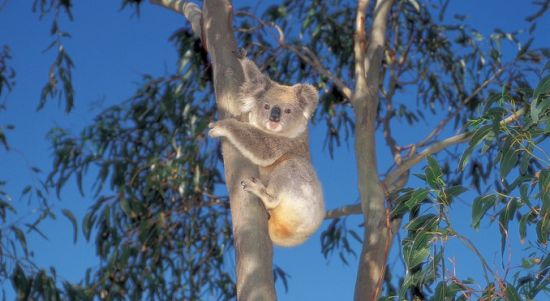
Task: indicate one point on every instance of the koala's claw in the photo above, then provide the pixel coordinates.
(244, 185)
(248, 185)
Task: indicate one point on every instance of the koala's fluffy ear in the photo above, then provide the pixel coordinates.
(308, 97)
(255, 83)
(251, 72)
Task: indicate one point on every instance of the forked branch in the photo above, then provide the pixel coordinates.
(403, 169)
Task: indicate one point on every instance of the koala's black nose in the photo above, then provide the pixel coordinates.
(275, 114)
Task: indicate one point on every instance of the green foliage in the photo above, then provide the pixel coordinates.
(335, 240)
(522, 160)
(46, 7)
(16, 262)
(60, 80)
(16, 258)
(7, 73)
(7, 81)
(43, 286)
(155, 213)
(59, 83)
(521, 201)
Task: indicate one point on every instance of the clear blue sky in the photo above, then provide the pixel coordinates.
(111, 50)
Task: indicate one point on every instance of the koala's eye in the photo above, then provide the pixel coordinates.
(266, 106)
(287, 111)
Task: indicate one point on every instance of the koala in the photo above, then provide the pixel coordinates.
(275, 139)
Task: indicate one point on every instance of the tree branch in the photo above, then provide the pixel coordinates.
(436, 147)
(311, 59)
(356, 208)
(365, 104)
(359, 46)
(190, 10)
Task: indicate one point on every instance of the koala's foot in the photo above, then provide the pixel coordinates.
(252, 185)
(256, 187)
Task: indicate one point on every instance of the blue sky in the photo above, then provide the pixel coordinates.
(111, 50)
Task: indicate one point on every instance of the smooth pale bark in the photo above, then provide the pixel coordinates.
(368, 62)
(253, 247)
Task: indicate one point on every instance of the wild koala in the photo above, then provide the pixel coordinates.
(276, 139)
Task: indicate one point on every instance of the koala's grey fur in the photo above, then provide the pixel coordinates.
(277, 141)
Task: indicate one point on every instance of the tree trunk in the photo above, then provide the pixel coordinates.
(368, 64)
(372, 259)
(253, 247)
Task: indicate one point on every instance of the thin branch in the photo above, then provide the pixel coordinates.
(190, 10)
(543, 8)
(445, 121)
(436, 147)
(356, 208)
(440, 126)
(344, 211)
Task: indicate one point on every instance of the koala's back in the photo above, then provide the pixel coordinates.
(301, 210)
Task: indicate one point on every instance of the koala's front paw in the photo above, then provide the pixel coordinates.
(216, 130)
(249, 185)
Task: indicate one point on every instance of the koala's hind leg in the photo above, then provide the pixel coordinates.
(256, 187)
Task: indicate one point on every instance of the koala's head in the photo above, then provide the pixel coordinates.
(275, 108)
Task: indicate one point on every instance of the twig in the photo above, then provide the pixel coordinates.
(543, 8)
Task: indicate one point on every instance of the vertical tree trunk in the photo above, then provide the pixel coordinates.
(372, 259)
(368, 64)
(253, 247)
